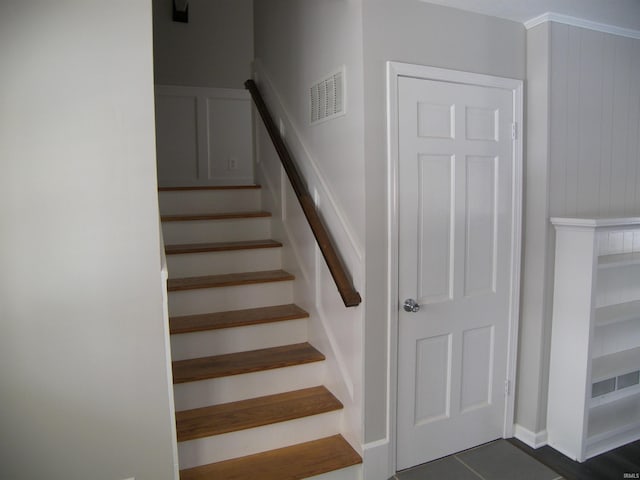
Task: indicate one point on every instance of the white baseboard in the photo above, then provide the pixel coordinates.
(375, 459)
(532, 439)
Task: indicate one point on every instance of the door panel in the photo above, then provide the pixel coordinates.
(434, 219)
(455, 176)
(433, 368)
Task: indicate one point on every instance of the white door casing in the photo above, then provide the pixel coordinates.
(455, 208)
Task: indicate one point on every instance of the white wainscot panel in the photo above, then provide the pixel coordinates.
(176, 138)
(204, 136)
(229, 135)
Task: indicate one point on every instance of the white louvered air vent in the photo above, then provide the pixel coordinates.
(327, 97)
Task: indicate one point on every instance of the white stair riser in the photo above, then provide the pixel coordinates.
(205, 300)
(199, 231)
(193, 453)
(238, 339)
(233, 261)
(249, 385)
(350, 473)
(209, 201)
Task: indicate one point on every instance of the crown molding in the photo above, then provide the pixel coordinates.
(582, 23)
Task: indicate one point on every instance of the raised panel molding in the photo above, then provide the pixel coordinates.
(204, 136)
(436, 121)
(433, 379)
(477, 367)
(435, 239)
(480, 236)
(481, 124)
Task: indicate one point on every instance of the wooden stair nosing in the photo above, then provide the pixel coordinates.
(227, 280)
(209, 187)
(254, 412)
(235, 318)
(244, 362)
(220, 246)
(289, 463)
(188, 217)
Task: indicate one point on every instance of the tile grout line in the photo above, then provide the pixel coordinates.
(468, 467)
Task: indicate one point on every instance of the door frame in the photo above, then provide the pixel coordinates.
(395, 70)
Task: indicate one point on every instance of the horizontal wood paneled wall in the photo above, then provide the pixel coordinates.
(594, 123)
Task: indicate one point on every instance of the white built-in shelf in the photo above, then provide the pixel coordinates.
(615, 364)
(617, 313)
(619, 260)
(594, 402)
(614, 418)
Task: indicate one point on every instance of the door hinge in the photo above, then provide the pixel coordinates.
(514, 131)
(507, 387)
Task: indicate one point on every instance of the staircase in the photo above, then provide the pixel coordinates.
(247, 384)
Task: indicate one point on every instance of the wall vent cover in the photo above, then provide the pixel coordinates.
(327, 97)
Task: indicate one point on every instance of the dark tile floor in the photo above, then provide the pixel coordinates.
(497, 460)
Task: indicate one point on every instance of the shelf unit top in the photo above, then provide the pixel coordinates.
(594, 222)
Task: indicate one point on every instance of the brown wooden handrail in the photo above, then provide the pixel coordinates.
(349, 294)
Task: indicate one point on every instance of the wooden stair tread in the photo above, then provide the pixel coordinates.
(235, 318)
(289, 463)
(214, 216)
(244, 362)
(227, 280)
(220, 246)
(209, 187)
(254, 412)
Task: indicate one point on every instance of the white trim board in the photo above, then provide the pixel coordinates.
(532, 439)
(375, 460)
(394, 71)
(582, 23)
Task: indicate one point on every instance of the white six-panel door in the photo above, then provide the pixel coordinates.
(455, 259)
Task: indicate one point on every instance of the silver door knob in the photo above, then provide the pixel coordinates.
(410, 305)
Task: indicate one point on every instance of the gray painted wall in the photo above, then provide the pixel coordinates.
(299, 43)
(415, 32)
(84, 393)
(533, 345)
(215, 49)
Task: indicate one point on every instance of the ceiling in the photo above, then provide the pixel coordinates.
(618, 13)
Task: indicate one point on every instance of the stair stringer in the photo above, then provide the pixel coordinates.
(334, 329)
